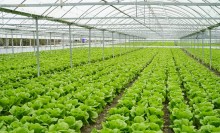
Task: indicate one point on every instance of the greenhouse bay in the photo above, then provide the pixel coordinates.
(109, 66)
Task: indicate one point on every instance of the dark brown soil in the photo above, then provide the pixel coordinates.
(166, 118)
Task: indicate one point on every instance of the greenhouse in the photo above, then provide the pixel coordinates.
(109, 66)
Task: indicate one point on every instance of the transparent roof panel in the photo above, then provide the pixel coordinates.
(149, 19)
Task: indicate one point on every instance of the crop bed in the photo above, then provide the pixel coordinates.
(197, 53)
(22, 66)
(144, 91)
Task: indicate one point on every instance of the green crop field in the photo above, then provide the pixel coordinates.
(153, 43)
(109, 66)
(204, 55)
(156, 89)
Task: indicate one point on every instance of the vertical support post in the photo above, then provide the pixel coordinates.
(6, 43)
(30, 42)
(210, 47)
(113, 50)
(89, 56)
(120, 42)
(129, 39)
(203, 57)
(103, 45)
(194, 47)
(12, 42)
(125, 44)
(38, 54)
(63, 40)
(191, 43)
(133, 41)
(70, 43)
(34, 42)
(47, 42)
(54, 42)
(21, 43)
(50, 41)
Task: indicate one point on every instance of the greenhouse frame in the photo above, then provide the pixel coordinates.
(110, 66)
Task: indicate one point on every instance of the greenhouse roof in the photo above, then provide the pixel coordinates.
(170, 19)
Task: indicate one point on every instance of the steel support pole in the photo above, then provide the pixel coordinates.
(70, 43)
(129, 39)
(191, 43)
(89, 52)
(103, 45)
(47, 42)
(210, 47)
(194, 44)
(21, 43)
(34, 42)
(120, 42)
(54, 42)
(133, 41)
(125, 44)
(113, 50)
(50, 41)
(63, 40)
(12, 42)
(203, 56)
(38, 53)
(6, 43)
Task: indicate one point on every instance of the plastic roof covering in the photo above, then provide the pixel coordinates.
(147, 21)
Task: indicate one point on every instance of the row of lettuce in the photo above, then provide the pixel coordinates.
(141, 107)
(23, 65)
(204, 55)
(191, 90)
(67, 100)
(202, 89)
(147, 43)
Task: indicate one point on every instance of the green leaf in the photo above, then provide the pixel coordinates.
(80, 115)
(36, 127)
(46, 119)
(155, 111)
(19, 112)
(153, 126)
(181, 114)
(188, 129)
(122, 111)
(138, 111)
(1, 108)
(73, 124)
(55, 112)
(211, 120)
(107, 130)
(22, 130)
(115, 124)
(7, 119)
(117, 116)
(59, 127)
(139, 119)
(16, 124)
(139, 126)
(156, 120)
